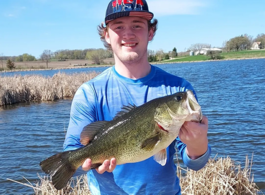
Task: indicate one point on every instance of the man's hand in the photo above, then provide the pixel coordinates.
(194, 135)
(107, 165)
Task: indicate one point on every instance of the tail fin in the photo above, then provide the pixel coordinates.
(59, 167)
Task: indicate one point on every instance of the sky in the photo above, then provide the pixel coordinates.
(32, 26)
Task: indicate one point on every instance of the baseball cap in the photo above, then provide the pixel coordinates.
(121, 8)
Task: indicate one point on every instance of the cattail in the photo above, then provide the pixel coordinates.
(35, 88)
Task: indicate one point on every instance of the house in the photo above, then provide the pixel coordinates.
(203, 51)
(255, 45)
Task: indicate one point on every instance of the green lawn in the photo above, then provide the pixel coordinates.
(226, 55)
(190, 58)
(244, 54)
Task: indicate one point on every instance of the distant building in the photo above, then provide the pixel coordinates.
(255, 45)
(203, 51)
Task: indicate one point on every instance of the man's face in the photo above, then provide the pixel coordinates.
(128, 37)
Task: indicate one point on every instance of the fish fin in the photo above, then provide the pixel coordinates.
(124, 110)
(150, 143)
(59, 167)
(161, 157)
(90, 131)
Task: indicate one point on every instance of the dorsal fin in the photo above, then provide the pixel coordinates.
(124, 110)
(90, 131)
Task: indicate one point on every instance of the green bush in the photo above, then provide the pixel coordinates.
(152, 58)
(166, 57)
(215, 55)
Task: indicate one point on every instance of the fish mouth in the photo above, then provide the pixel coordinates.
(193, 107)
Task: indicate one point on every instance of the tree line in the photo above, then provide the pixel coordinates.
(97, 56)
(244, 42)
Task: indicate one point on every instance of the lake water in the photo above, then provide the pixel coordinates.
(231, 93)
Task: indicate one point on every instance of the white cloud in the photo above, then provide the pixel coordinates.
(10, 15)
(176, 7)
(14, 12)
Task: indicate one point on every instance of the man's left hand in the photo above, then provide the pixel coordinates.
(194, 135)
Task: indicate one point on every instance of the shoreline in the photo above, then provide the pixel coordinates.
(229, 59)
(155, 63)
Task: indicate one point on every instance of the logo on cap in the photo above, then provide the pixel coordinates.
(127, 5)
(122, 8)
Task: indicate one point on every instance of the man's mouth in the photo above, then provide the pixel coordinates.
(129, 44)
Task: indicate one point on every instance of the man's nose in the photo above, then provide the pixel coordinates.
(128, 33)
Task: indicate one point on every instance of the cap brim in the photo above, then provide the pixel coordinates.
(143, 14)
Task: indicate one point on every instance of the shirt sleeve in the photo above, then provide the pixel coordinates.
(82, 113)
(195, 164)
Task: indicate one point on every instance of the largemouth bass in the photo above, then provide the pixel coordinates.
(135, 134)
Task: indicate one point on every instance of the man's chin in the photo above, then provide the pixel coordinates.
(130, 58)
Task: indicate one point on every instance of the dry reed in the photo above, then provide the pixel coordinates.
(218, 177)
(36, 88)
(76, 186)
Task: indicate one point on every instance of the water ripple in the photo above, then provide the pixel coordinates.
(231, 94)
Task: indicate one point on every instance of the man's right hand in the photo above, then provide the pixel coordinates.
(107, 165)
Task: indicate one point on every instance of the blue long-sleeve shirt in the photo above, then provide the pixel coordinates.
(100, 99)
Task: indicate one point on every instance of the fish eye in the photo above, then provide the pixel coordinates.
(178, 98)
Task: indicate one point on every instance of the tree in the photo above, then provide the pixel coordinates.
(77, 54)
(19, 58)
(10, 64)
(28, 57)
(174, 53)
(160, 55)
(238, 43)
(199, 46)
(95, 55)
(46, 56)
(2, 60)
(25, 58)
(151, 56)
(60, 55)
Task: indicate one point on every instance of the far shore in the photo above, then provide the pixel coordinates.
(74, 64)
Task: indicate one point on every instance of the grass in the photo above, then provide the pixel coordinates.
(219, 176)
(226, 56)
(54, 64)
(244, 54)
(190, 58)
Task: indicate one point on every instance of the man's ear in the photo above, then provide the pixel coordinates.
(151, 34)
(107, 37)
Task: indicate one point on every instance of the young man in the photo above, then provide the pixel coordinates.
(132, 80)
